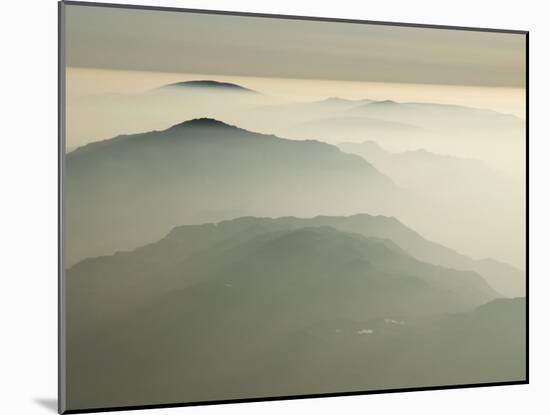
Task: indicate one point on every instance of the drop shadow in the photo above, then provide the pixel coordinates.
(48, 403)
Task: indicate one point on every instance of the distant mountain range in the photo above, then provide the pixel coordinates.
(470, 191)
(327, 104)
(420, 115)
(352, 127)
(424, 114)
(442, 128)
(261, 302)
(334, 119)
(132, 189)
(421, 169)
(204, 170)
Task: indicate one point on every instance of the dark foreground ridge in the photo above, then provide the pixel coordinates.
(249, 307)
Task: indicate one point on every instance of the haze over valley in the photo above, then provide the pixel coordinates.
(198, 235)
(463, 121)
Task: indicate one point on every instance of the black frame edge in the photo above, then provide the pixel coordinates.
(293, 397)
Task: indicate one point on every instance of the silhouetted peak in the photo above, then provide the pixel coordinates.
(207, 83)
(203, 122)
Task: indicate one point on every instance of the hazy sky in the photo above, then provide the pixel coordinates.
(146, 40)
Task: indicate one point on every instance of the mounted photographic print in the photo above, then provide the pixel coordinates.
(260, 207)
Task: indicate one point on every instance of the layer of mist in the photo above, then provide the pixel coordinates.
(224, 241)
(205, 170)
(472, 193)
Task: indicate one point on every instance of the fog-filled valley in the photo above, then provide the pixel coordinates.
(480, 123)
(223, 241)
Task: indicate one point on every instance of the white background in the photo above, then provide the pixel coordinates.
(28, 228)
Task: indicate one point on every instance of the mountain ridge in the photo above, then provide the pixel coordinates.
(198, 123)
(315, 253)
(192, 165)
(384, 229)
(505, 278)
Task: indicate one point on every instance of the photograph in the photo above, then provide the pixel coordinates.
(260, 207)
